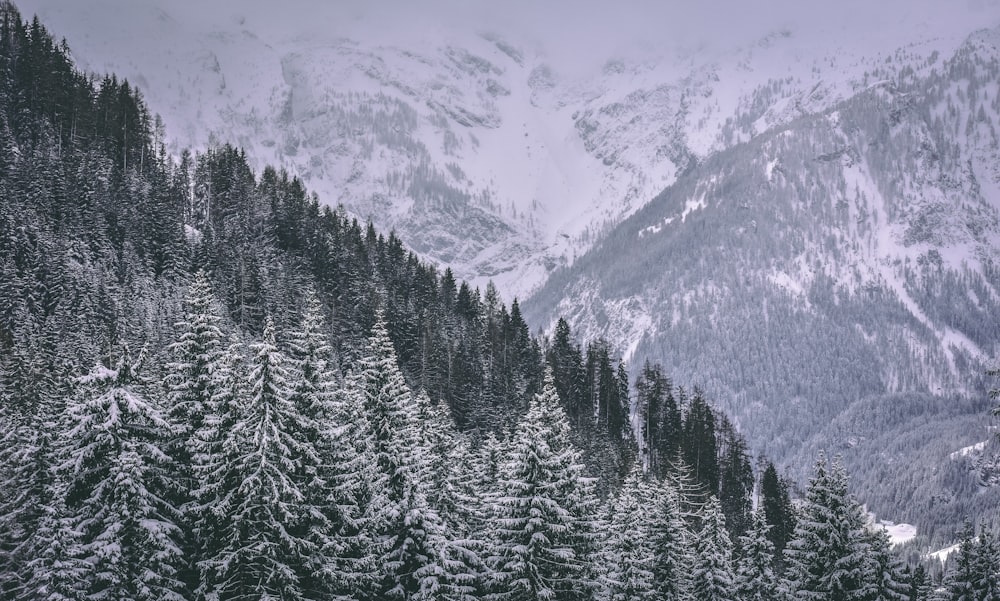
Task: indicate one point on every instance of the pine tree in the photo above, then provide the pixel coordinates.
(214, 478)
(755, 578)
(269, 545)
(544, 536)
(987, 565)
(57, 570)
(117, 476)
(629, 554)
(691, 494)
(312, 396)
(883, 574)
(447, 480)
(778, 511)
(700, 449)
(194, 384)
(735, 480)
(673, 544)
(357, 492)
(828, 556)
(41, 556)
(414, 564)
(962, 579)
(191, 380)
(920, 586)
(407, 531)
(712, 577)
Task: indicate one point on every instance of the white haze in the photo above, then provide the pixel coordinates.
(575, 36)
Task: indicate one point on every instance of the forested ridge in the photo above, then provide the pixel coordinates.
(214, 387)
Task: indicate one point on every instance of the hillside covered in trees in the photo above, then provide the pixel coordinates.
(212, 386)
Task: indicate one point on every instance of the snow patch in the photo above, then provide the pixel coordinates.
(969, 450)
(942, 554)
(899, 533)
(692, 205)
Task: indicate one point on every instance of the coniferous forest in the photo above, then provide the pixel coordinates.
(215, 387)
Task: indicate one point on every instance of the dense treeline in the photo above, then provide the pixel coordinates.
(213, 387)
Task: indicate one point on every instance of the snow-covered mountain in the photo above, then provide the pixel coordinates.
(831, 277)
(494, 148)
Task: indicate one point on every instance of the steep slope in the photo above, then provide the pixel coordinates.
(486, 149)
(842, 264)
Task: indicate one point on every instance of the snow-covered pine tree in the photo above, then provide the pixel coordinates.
(192, 377)
(827, 557)
(691, 495)
(57, 570)
(448, 483)
(414, 562)
(310, 353)
(883, 573)
(962, 579)
(312, 395)
(755, 578)
(673, 544)
(117, 477)
(22, 478)
(988, 563)
(357, 495)
(629, 554)
(712, 577)
(483, 466)
(388, 406)
(407, 532)
(194, 384)
(269, 546)
(779, 512)
(544, 532)
(214, 480)
(40, 555)
(918, 586)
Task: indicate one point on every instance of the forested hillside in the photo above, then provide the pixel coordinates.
(214, 387)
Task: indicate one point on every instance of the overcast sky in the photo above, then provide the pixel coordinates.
(571, 31)
(580, 29)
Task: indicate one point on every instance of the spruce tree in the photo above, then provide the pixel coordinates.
(117, 477)
(672, 542)
(191, 379)
(194, 384)
(57, 569)
(987, 565)
(544, 522)
(700, 449)
(629, 553)
(883, 574)
(213, 475)
(962, 579)
(271, 545)
(406, 530)
(712, 577)
(357, 493)
(828, 556)
(778, 512)
(312, 397)
(755, 578)
(919, 588)
(40, 554)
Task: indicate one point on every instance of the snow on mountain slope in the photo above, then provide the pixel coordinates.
(831, 280)
(487, 150)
